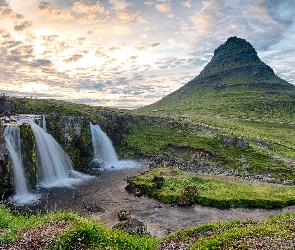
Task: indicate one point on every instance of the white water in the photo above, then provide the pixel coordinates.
(12, 139)
(44, 124)
(104, 151)
(53, 163)
(102, 147)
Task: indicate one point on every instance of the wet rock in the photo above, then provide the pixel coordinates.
(96, 164)
(132, 226)
(123, 215)
(92, 208)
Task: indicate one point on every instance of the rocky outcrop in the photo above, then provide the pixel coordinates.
(6, 106)
(73, 133)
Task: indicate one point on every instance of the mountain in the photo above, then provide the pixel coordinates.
(234, 83)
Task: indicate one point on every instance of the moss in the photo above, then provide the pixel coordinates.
(28, 147)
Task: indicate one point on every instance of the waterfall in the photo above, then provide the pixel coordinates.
(12, 139)
(53, 163)
(44, 124)
(102, 146)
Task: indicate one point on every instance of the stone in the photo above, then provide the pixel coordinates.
(123, 215)
(132, 226)
(96, 164)
(242, 143)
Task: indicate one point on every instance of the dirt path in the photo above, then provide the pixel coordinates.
(108, 192)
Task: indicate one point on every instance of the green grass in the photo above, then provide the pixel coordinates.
(154, 139)
(88, 232)
(225, 235)
(212, 190)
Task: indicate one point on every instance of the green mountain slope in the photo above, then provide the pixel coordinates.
(235, 83)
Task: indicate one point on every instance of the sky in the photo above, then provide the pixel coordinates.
(130, 53)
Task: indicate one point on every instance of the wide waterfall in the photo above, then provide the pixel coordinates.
(12, 139)
(53, 163)
(102, 147)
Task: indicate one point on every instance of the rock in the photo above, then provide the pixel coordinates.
(132, 226)
(92, 208)
(158, 182)
(262, 143)
(188, 195)
(242, 143)
(123, 215)
(96, 164)
(242, 158)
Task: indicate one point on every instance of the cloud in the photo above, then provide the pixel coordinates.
(133, 17)
(187, 4)
(80, 7)
(6, 13)
(149, 3)
(60, 15)
(122, 30)
(147, 46)
(51, 14)
(45, 6)
(73, 58)
(163, 7)
(120, 5)
(22, 26)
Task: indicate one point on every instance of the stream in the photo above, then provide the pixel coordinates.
(100, 197)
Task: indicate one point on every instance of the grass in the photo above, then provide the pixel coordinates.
(237, 234)
(88, 232)
(154, 139)
(211, 190)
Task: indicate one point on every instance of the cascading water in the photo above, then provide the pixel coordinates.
(12, 139)
(102, 147)
(53, 163)
(44, 126)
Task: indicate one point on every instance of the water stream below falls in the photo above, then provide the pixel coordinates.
(102, 196)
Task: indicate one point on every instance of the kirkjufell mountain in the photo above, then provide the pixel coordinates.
(234, 83)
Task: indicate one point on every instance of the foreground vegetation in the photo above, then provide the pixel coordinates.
(70, 231)
(273, 233)
(79, 233)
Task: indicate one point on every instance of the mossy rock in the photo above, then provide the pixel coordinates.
(188, 195)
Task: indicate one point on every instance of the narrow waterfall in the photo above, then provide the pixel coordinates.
(53, 163)
(12, 139)
(44, 126)
(102, 146)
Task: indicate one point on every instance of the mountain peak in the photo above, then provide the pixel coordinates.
(235, 43)
(236, 55)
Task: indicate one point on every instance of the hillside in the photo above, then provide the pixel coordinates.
(235, 83)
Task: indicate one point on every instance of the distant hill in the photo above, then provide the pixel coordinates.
(235, 83)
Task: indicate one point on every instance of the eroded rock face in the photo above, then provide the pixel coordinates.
(73, 134)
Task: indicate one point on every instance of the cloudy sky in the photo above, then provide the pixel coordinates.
(129, 53)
